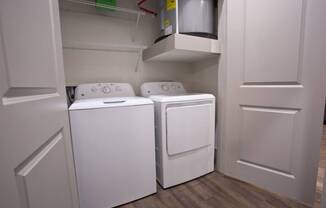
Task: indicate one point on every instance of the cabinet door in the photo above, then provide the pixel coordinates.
(275, 93)
(35, 151)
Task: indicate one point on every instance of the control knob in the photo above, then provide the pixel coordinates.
(106, 90)
(93, 89)
(165, 87)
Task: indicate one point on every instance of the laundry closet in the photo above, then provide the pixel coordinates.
(255, 70)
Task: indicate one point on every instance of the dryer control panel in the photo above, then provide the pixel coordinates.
(162, 88)
(104, 90)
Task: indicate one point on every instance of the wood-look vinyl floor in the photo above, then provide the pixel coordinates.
(217, 191)
(321, 169)
(213, 191)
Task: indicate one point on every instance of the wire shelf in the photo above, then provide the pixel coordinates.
(105, 6)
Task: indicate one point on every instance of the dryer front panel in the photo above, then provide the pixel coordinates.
(188, 127)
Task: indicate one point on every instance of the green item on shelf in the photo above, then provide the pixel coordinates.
(112, 3)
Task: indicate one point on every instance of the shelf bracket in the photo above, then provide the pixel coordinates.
(134, 33)
(140, 54)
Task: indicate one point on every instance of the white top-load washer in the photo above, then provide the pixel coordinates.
(113, 144)
(184, 135)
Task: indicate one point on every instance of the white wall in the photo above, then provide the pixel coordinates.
(84, 66)
(204, 76)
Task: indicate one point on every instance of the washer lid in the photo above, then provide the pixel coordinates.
(180, 98)
(94, 103)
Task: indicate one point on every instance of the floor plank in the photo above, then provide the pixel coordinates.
(218, 191)
(321, 169)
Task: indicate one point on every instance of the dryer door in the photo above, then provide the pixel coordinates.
(188, 127)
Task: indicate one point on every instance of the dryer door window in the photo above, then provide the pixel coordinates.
(188, 127)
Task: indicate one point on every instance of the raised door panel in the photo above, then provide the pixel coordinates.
(29, 38)
(267, 139)
(273, 41)
(42, 179)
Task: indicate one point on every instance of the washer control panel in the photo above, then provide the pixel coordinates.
(162, 88)
(104, 90)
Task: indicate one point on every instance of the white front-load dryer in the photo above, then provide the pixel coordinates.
(113, 144)
(184, 136)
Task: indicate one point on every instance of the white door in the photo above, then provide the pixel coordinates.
(275, 91)
(36, 166)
